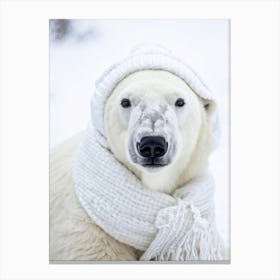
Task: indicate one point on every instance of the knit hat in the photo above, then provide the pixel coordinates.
(143, 57)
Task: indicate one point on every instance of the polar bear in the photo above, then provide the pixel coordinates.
(156, 126)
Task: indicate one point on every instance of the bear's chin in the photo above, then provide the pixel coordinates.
(152, 168)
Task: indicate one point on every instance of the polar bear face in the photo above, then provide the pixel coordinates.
(154, 123)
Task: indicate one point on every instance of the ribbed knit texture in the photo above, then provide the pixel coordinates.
(167, 227)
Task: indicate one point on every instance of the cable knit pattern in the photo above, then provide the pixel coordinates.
(167, 227)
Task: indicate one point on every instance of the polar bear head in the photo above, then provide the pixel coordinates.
(159, 128)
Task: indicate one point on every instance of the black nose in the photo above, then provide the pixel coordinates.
(152, 147)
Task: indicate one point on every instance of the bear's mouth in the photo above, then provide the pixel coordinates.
(153, 165)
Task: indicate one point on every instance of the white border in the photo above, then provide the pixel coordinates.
(254, 138)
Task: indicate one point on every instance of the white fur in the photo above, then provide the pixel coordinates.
(193, 127)
(73, 235)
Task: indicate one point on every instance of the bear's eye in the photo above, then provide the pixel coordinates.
(180, 102)
(125, 103)
(206, 106)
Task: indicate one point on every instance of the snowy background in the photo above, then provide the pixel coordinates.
(80, 50)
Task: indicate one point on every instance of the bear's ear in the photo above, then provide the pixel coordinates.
(209, 106)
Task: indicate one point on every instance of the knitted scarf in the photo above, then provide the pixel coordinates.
(175, 227)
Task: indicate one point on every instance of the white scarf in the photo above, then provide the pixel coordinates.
(175, 227)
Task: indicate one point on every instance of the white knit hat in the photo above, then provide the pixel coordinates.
(143, 57)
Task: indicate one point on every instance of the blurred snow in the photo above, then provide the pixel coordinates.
(89, 46)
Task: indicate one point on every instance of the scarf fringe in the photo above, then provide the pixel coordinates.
(199, 241)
